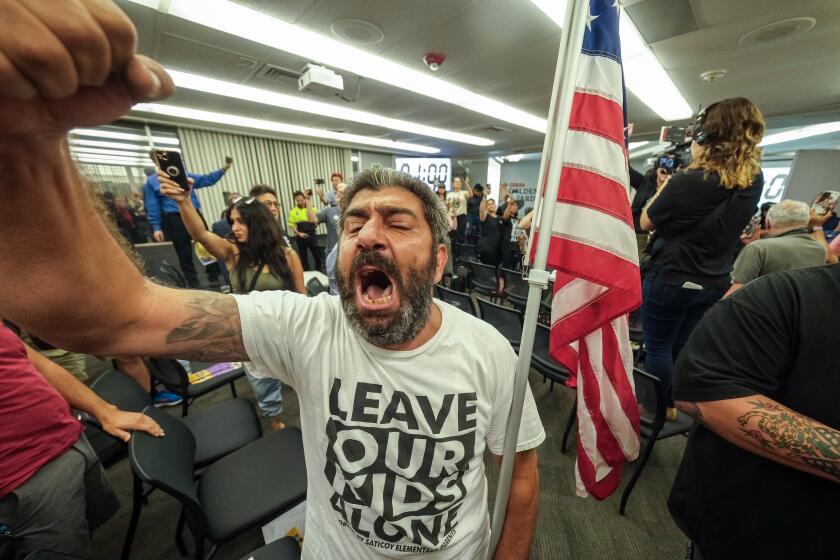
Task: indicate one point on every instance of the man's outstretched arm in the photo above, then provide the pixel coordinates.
(63, 277)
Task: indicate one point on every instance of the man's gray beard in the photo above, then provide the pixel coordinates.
(411, 317)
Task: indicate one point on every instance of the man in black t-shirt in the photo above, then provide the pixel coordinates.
(760, 477)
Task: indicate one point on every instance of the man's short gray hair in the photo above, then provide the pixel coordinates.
(789, 213)
(378, 179)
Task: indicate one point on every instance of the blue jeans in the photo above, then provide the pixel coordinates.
(268, 392)
(669, 314)
(473, 228)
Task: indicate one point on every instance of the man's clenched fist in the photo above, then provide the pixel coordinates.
(66, 63)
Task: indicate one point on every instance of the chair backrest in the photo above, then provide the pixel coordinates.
(514, 283)
(466, 252)
(167, 463)
(51, 555)
(314, 287)
(457, 299)
(121, 391)
(506, 320)
(483, 274)
(650, 394)
(169, 372)
(173, 274)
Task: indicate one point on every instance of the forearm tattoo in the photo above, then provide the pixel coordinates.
(212, 331)
(690, 408)
(777, 428)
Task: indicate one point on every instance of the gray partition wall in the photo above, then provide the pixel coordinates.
(813, 171)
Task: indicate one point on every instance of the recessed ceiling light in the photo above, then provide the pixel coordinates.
(357, 31)
(272, 126)
(240, 21)
(777, 31)
(644, 75)
(295, 103)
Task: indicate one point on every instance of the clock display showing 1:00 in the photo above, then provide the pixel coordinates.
(429, 170)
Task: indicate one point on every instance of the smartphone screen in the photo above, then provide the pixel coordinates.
(170, 163)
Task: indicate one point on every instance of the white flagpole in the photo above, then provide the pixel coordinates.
(568, 61)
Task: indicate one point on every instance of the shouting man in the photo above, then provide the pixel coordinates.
(395, 415)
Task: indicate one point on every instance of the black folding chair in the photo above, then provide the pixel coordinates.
(458, 299)
(466, 254)
(507, 321)
(172, 275)
(51, 555)
(515, 288)
(650, 394)
(282, 549)
(217, 430)
(314, 287)
(484, 279)
(174, 377)
(542, 361)
(239, 492)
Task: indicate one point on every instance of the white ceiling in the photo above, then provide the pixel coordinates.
(506, 50)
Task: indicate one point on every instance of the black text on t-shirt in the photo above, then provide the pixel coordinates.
(393, 483)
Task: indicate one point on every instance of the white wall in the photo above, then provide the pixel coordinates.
(366, 159)
(527, 172)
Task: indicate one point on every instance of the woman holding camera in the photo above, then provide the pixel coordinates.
(698, 216)
(258, 259)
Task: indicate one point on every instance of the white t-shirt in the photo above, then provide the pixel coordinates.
(457, 202)
(394, 440)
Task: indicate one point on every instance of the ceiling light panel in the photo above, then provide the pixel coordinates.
(252, 25)
(800, 133)
(644, 75)
(272, 126)
(194, 82)
(96, 133)
(107, 144)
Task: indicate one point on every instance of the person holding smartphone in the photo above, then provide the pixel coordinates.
(257, 258)
(698, 215)
(303, 221)
(165, 218)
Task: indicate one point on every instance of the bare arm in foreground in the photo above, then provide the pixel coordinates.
(64, 278)
(522, 508)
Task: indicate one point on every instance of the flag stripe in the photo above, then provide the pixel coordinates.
(597, 154)
(597, 115)
(600, 76)
(599, 230)
(582, 187)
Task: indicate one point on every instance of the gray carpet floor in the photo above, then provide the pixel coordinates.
(569, 527)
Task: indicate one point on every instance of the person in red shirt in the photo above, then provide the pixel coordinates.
(53, 491)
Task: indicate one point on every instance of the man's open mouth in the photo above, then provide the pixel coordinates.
(375, 288)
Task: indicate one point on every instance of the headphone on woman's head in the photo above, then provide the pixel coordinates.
(698, 133)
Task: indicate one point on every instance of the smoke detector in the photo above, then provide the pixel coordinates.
(712, 75)
(434, 61)
(778, 30)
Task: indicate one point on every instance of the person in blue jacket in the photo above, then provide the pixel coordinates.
(165, 219)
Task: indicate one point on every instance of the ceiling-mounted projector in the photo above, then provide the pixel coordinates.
(321, 80)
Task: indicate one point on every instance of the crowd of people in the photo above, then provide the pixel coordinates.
(733, 297)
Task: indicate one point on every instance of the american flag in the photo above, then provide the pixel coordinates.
(593, 249)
